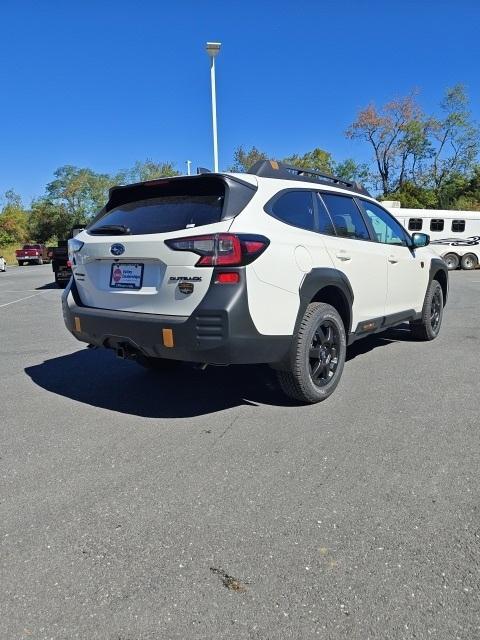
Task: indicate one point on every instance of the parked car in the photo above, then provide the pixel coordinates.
(32, 254)
(61, 265)
(3, 264)
(280, 265)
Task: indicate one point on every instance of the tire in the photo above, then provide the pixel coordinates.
(452, 260)
(469, 261)
(20, 264)
(157, 364)
(317, 356)
(428, 327)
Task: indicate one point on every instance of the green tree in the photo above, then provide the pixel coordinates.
(81, 191)
(352, 171)
(13, 220)
(397, 134)
(50, 221)
(147, 170)
(244, 159)
(317, 159)
(454, 145)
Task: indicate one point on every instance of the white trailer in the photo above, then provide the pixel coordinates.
(454, 235)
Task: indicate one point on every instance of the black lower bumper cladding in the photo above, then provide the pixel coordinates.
(219, 331)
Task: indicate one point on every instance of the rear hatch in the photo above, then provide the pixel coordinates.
(124, 263)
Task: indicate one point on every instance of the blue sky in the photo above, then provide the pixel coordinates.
(102, 84)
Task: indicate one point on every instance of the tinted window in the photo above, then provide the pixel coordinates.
(325, 224)
(415, 224)
(386, 228)
(458, 225)
(296, 208)
(436, 224)
(346, 217)
(167, 213)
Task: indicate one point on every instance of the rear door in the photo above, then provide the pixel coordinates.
(124, 263)
(354, 253)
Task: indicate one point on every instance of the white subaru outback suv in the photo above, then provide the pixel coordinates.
(280, 265)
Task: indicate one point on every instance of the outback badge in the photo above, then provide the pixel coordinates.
(185, 287)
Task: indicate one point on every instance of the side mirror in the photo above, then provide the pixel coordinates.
(420, 240)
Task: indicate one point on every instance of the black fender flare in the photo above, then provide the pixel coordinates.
(318, 279)
(438, 265)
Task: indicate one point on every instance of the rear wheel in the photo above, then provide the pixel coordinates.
(452, 260)
(469, 261)
(428, 327)
(317, 356)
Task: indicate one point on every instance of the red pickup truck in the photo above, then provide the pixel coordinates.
(33, 254)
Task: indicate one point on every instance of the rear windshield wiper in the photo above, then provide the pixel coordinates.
(108, 229)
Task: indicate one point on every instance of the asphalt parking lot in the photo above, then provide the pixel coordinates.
(135, 506)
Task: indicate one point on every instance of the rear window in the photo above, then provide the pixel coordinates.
(159, 215)
(162, 207)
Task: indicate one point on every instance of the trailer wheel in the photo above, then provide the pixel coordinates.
(469, 261)
(452, 260)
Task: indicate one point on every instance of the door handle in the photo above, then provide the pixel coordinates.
(392, 259)
(343, 255)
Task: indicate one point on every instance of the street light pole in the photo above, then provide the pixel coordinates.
(213, 49)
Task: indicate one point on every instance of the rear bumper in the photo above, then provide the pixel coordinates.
(219, 331)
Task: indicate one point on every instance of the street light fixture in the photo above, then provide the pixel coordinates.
(213, 49)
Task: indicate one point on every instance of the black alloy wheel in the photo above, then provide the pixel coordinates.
(323, 354)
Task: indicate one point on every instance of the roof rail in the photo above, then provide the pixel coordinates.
(274, 169)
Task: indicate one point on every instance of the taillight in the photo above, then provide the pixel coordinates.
(222, 249)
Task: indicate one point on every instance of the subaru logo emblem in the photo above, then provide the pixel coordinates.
(117, 249)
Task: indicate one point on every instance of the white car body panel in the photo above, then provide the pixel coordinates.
(159, 294)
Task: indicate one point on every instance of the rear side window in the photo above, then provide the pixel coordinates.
(159, 208)
(458, 225)
(436, 224)
(346, 217)
(415, 224)
(295, 208)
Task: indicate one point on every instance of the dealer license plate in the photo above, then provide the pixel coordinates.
(126, 276)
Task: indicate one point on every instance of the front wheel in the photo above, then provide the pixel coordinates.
(469, 261)
(428, 327)
(317, 355)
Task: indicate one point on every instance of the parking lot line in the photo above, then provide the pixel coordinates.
(20, 300)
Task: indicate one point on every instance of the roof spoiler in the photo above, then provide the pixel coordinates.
(274, 169)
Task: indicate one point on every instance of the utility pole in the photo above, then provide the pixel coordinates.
(213, 49)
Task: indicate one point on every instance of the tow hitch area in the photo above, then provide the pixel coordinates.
(125, 351)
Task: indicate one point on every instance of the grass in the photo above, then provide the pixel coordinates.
(8, 252)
